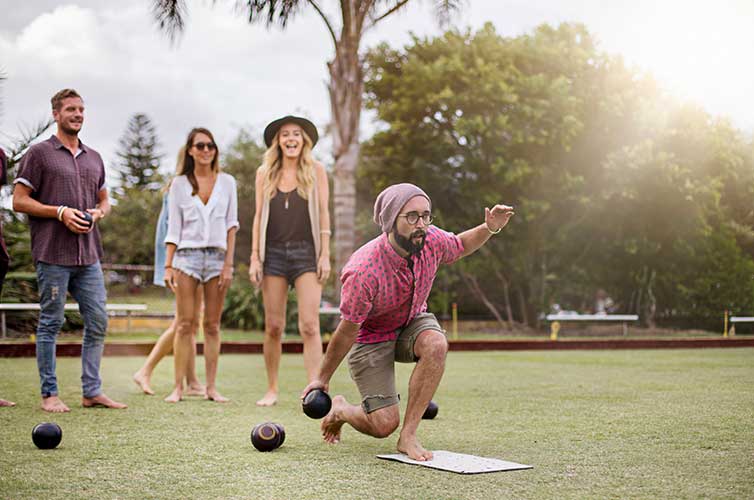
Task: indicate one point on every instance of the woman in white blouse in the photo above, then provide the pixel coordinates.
(201, 237)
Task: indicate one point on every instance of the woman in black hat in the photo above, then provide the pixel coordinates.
(290, 241)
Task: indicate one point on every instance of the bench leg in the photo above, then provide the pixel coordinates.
(625, 329)
(2, 321)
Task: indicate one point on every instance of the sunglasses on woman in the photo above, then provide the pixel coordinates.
(201, 146)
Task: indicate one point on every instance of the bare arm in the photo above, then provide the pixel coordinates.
(323, 189)
(102, 209)
(255, 264)
(226, 275)
(340, 344)
(169, 275)
(494, 220)
(25, 204)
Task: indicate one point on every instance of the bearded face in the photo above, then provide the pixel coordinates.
(414, 243)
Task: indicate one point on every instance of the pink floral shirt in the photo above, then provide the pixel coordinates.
(380, 290)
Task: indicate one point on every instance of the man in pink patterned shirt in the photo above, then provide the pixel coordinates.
(384, 316)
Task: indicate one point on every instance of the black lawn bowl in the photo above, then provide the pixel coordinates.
(431, 411)
(267, 436)
(316, 404)
(281, 430)
(46, 435)
(88, 219)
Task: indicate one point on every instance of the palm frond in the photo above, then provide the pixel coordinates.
(446, 10)
(271, 12)
(170, 16)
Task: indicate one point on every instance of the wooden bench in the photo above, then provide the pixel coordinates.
(111, 308)
(557, 318)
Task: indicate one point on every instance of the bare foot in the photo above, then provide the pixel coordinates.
(143, 382)
(4, 402)
(332, 423)
(196, 389)
(410, 446)
(174, 396)
(215, 396)
(54, 404)
(102, 401)
(269, 399)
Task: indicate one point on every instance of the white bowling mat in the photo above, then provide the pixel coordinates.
(460, 463)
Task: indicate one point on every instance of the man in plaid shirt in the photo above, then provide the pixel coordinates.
(61, 187)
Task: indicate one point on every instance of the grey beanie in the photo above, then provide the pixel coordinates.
(390, 202)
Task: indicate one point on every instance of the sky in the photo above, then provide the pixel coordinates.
(225, 74)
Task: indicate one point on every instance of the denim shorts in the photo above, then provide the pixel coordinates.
(290, 259)
(202, 264)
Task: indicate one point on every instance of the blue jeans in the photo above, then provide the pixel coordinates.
(87, 286)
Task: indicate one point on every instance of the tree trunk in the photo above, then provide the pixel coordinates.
(522, 305)
(345, 89)
(506, 298)
(473, 285)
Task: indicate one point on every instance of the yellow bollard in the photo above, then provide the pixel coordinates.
(725, 324)
(455, 321)
(554, 329)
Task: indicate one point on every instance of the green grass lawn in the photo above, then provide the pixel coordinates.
(664, 424)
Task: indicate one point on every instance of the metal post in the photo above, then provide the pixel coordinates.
(2, 320)
(455, 321)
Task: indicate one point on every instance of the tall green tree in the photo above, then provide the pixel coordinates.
(128, 233)
(139, 157)
(615, 185)
(345, 87)
(241, 160)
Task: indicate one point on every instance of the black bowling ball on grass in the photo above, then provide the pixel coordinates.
(46, 435)
(267, 436)
(316, 404)
(281, 430)
(431, 411)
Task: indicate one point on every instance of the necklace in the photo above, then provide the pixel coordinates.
(286, 199)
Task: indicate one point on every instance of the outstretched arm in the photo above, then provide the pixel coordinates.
(494, 220)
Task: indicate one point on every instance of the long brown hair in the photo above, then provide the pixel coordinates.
(186, 161)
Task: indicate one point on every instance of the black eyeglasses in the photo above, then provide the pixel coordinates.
(201, 146)
(413, 217)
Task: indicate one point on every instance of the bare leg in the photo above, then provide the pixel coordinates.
(162, 348)
(379, 423)
(431, 348)
(193, 386)
(309, 293)
(214, 297)
(275, 297)
(185, 330)
(54, 404)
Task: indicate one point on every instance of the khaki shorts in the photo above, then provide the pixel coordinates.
(372, 366)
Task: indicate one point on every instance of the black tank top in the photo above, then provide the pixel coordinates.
(289, 218)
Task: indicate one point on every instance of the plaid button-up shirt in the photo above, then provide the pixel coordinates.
(56, 178)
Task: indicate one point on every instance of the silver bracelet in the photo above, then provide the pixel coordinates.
(490, 230)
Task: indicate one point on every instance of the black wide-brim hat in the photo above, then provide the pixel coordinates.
(272, 129)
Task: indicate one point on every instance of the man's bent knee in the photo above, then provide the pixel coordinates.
(432, 344)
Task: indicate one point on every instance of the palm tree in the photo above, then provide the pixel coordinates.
(346, 84)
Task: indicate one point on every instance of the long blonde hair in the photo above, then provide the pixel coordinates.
(272, 165)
